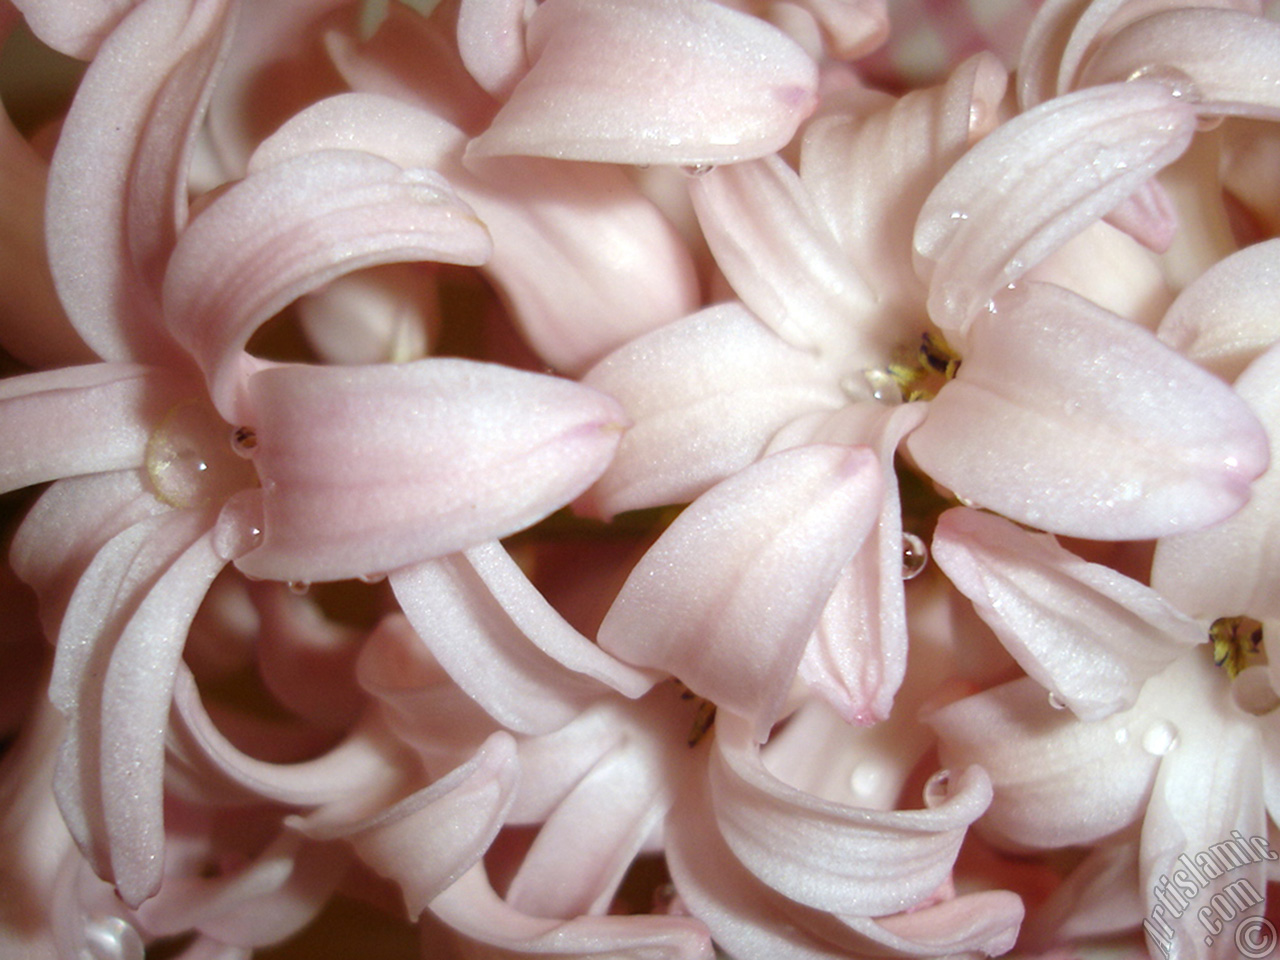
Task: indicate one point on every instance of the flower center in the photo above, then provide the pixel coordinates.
(191, 460)
(921, 376)
(1237, 641)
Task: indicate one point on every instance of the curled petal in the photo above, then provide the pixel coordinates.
(749, 919)
(1230, 569)
(706, 395)
(431, 838)
(475, 912)
(1066, 417)
(833, 857)
(652, 81)
(1226, 56)
(850, 28)
(1226, 317)
(290, 229)
(1037, 181)
(117, 191)
(729, 595)
(80, 420)
(508, 648)
(76, 27)
(1089, 634)
(368, 469)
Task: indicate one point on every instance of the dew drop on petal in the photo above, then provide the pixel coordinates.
(698, 169)
(915, 556)
(372, 577)
(937, 789)
(239, 526)
(299, 587)
(867, 779)
(187, 459)
(1056, 701)
(883, 387)
(244, 441)
(1122, 736)
(1160, 738)
(111, 938)
(1179, 82)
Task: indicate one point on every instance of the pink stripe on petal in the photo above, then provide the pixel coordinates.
(652, 81)
(1065, 417)
(1037, 181)
(369, 469)
(729, 595)
(287, 231)
(117, 191)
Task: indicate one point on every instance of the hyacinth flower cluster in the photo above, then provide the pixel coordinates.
(652, 479)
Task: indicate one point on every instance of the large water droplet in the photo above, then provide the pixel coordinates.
(883, 386)
(188, 461)
(1179, 82)
(915, 556)
(867, 779)
(1160, 738)
(111, 938)
(937, 789)
(239, 526)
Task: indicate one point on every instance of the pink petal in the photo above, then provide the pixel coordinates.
(1057, 781)
(652, 81)
(706, 394)
(81, 420)
(749, 919)
(1067, 418)
(1226, 317)
(363, 768)
(117, 191)
(368, 469)
(288, 230)
(871, 171)
(1227, 56)
(857, 656)
(491, 43)
(1039, 179)
(428, 840)
(476, 913)
(842, 859)
(771, 241)
(1230, 569)
(1087, 633)
(586, 262)
(1147, 215)
(509, 649)
(74, 27)
(850, 28)
(728, 596)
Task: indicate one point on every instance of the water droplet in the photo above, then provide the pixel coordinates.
(958, 215)
(111, 938)
(1056, 701)
(187, 459)
(239, 526)
(299, 587)
(964, 501)
(1180, 84)
(372, 577)
(698, 169)
(1205, 123)
(867, 779)
(1122, 735)
(1160, 738)
(937, 789)
(244, 441)
(883, 386)
(915, 556)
